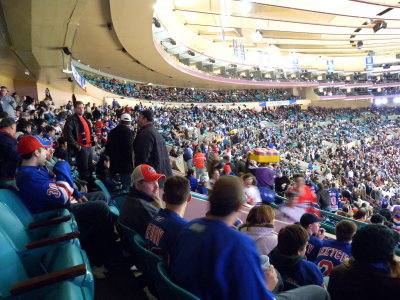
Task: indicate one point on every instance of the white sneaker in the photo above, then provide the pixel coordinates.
(98, 273)
(103, 269)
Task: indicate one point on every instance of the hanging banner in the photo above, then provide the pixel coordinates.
(235, 48)
(296, 67)
(242, 52)
(277, 103)
(331, 66)
(80, 80)
(369, 63)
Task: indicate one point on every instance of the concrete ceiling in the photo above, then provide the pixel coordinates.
(96, 31)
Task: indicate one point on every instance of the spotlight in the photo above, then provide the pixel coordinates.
(360, 44)
(384, 101)
(396, 100)
(66, 51)
(379, 25)
(156, 23)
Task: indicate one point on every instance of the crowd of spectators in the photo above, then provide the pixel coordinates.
(353, 156)
(187, 95)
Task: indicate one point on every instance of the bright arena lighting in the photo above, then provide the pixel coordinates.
(396, 100)
(384, 101)
(245, 6)
(378, 101)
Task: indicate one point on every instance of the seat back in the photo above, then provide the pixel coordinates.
(11, 268)
(13, 227)
(167, 289)
(103, 188)
(13, 201)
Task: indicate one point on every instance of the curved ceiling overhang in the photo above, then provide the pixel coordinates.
(311, 28)
(139, 43)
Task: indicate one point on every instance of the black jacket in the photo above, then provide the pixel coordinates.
(71, 129)
(324, 199)
(362, 281)
(137, 211)
(9, 156)
(119, 148)
(149, 148)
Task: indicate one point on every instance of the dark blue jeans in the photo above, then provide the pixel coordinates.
(96, 227)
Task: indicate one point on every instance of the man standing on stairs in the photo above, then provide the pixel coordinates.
(149, 146)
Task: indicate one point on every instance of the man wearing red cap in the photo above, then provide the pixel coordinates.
(142, 202)
(39, 189)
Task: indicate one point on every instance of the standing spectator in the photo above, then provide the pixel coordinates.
(334, 252)
(323, 197)
(188, 156)
(8, 152)
(251, 191)
(79, 135)
(281, 183)
(199, 162)
(307, 198)
(6, 102)
(373, 272)
(142, 202)
(149, 146)
(119, 147)
(311, 224)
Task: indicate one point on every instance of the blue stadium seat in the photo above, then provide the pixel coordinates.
(12, 200)
(167, 289)
(16, 284)
(110, 198)
(53, 253)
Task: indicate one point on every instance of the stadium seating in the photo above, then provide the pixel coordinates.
(15, 283)
(167, 289)
(111, 198)
(30, 220)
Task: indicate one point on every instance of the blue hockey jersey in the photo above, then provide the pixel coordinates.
(331, 254)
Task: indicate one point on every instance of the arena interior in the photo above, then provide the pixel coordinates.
(193, 149)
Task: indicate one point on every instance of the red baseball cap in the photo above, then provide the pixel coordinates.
(30, 143)
(146, 173)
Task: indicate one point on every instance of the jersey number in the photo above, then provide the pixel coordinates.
(325, 266)
(53, 191)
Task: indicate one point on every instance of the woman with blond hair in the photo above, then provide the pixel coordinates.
(260, 227)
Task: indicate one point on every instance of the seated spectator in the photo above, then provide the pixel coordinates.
(377, 219)
(9, 155)
(361, 215)
(61, 152)
(142, 202)
(396, 222)
(164, 227)
(334, 252)
(202, 187)
(41, 190)
(288, 257)
(260, 227)
(289, 212)
(213, 261)
(373, 272)
(311, 224)
(251, 190)
(192, 180)
(214, 176)
(385, 211)
(227, 171)
(103, 172)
